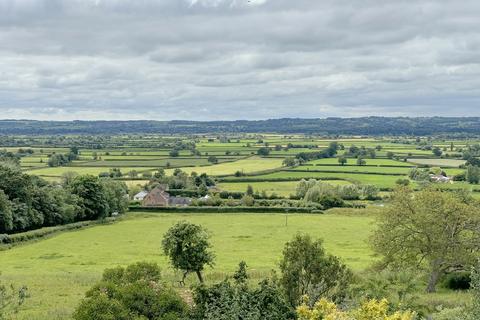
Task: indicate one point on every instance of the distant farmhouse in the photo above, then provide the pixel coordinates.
(439, 178)
(159, 197)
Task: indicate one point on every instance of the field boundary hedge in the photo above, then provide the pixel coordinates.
(9, 240)
(351, 172)
(231, 180)
(227, 209)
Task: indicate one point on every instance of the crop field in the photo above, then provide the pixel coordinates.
(60, 269)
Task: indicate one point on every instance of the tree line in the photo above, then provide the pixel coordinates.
(28, 202)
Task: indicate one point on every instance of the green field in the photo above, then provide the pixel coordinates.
(370, 162)
(252, 164)
(281, 188)
(438, 162)
(60, 269)
(381, 181)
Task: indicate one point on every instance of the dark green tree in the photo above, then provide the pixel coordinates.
(308, 270)
(92, 196)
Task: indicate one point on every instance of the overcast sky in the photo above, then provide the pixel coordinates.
(238, 59)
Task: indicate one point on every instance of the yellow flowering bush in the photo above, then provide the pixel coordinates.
(370, 310)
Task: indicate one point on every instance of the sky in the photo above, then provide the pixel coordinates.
(238, 59)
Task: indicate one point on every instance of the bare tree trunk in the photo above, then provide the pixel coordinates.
(199, 275)
(434, 276)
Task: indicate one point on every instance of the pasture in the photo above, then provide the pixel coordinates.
(281, 188)
(249, 165)
(59, 270)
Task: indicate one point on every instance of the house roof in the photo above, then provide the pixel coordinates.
(179, 201)
(142, 193)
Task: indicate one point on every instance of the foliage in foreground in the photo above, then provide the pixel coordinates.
(308, 270)
(229, 300)
(11, 299)
(369, 310)
(135, 292)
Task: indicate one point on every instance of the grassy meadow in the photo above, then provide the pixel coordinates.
(59, 270)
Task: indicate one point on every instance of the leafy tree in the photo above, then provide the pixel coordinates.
(248, 200)
(174, 153)
(263, 151)
(187, 246)
(342, 160)
(6, 214)
(212, 159)
(290, 162)
(249, 191)
(92, 196)
(435, 230)
(116, 193)
(361, 161)
(437, 151)
(308, 270)
(473, 174)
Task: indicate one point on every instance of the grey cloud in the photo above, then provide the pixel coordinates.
(235, 59)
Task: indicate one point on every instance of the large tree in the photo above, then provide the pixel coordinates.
(187, 245)
(431, 229)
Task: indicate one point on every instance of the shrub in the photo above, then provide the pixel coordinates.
(237, 300)
(457, 281)
(134, 292)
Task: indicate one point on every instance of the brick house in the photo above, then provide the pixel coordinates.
(158, 197)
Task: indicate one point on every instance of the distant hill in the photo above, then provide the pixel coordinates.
(327, 126)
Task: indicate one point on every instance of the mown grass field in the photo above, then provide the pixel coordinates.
(249, 165)
(60, 269)
(438, 162)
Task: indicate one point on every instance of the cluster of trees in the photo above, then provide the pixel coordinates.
(331, 126)
(317, 191)
(360, 152)
(183, 145)
(57, 159)
(29, 202)
(329, 152)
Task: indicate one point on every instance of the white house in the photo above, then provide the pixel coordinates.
(139, 196)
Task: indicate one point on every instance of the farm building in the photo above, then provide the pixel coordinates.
(439, 178)
(140, 196)
(159, 197)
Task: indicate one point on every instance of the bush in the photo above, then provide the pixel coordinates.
(237, 300)
(457, 281)
(134, 292)
(40, 233)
